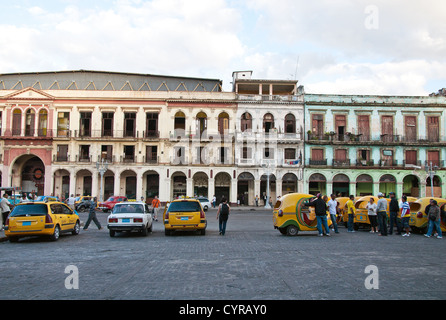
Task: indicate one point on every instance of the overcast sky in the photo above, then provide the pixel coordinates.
(395, 47)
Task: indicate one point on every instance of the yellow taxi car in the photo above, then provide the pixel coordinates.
(418, 218)
(290, 215)
(184, 215)
(41, 219)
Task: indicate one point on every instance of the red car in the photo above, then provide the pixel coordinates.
(109, 204)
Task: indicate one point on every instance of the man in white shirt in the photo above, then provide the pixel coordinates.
(5, 206)
(333, 209)
(70, 201)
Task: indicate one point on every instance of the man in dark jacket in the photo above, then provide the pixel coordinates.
(320, 208)
(393, 211)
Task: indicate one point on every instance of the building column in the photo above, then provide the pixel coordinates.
(352, 189)
(138, 185)
(233, 195)
(278, 188)
(49, 180)
(95, 183)
(399, 189)
(117, 187)
(211, 188)
(72, 183)
(376, 188)
(190, 187)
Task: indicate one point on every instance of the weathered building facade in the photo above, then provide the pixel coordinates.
(363, 145)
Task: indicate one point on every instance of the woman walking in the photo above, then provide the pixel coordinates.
(223, 215)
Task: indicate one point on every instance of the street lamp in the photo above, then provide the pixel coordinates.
(431, 171)
(102, 168)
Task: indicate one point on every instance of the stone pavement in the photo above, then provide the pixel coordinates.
(251, 262)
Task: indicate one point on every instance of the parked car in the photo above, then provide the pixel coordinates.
(184, 215)
(41, 219)
(130, 216)
(205, 203)
(83, 205)
(109, 204)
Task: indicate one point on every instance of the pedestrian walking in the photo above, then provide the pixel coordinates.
(320, 208)
(393, 213)
(5, 207)
(257, 201)
(92, 215)
(223, 215)
(351, 210)
(405, 215)
(333, 209)
(371, 211)
(381, 210)
(214, 201)
(156, 203)
(434, 218)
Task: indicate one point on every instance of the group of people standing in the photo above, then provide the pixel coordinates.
(377, 213)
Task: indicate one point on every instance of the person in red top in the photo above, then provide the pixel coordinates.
(156, 203)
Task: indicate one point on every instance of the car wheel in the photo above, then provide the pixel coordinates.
(150, 228)
(205, 208)
(112, 233)
(145, 232)
(76, 229)
(13, 239)
(56, 234)
(203, 232)
(167, 232)
(292, 230)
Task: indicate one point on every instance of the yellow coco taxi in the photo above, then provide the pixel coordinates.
(184, 215)
(290, 215)
(418, 218)
(41, 219)
(342, 217)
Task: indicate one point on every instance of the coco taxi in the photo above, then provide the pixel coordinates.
(418, 218)
(290, 215)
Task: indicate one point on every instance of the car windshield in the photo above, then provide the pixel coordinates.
(184, 206)
(111, 199)
(33, 209)
(128, 208)
(203, 200)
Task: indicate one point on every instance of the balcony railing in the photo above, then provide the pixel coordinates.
(382, 139)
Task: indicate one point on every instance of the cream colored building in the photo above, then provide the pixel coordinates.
(159, 135)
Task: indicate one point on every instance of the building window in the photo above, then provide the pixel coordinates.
(268, 153)
(317, 125)
(151, 154)
(152, 125)
(85, 124)
(107, 124)
(17, 122)
(129, 153)
(290, 154)
(268, 122)
(43, 123)
(129, 124)
(317, 157)
(29, 123)
(433, 129)
(63, 124)
(290, 123)
(84, 154)
(246, 122)
(180, 124)
(411, 157)
(223, 123)
(107, 153)
(62, 152)
(246, 153)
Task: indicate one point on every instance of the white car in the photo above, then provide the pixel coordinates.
(205, 203)
(130, 216)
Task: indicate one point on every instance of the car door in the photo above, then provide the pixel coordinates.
(60, 218)
(69, 216)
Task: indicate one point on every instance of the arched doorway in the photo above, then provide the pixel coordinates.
(180, 125)
(341, 185)
(223, 123)
(201, 184)
(152, 185)
(436, 186)
(62, 184)
(201, 123)
(364, 185)
(129, 177)
(272, 188)
(317, 184)
(411, 186)
(289, 183)
(84, 183)
(387, 184)
(179, 185)
(222, 186)
(245, 188)
(28, 172)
